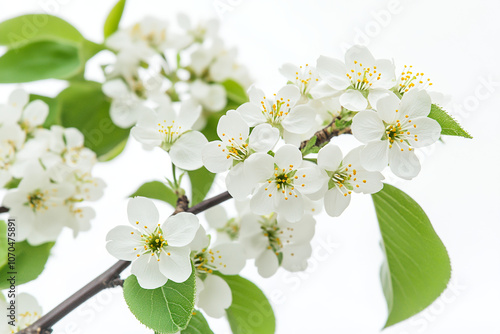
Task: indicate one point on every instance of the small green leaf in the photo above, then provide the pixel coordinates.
(113, 20)
(250, 311)
(13, 183)
(84, 106)
(29, 263)
(417, 267)
(449, 126)
(167, 309)
(235, 93)
(310, 144)
(156, 190)
(30, 28)
(197, 325)
(201, 182)
(3, 243)
(38, 61)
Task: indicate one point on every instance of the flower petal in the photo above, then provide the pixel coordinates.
(229, 258)
(143, 214)
(175, 263)
(216, 217)
(416, 103)
(259, 167)
(330, 157)
(267, 263)
(333, 71)
(238, 184)
(186, 151)
(336, 202)
(427, 131)
(375, 155)
(388, 108)
(180, 229)
(146, 269)
(404, 164)
(35, 113)
(295, 257)
(251, 113)
(367, 126)
(353, 100)
(263, 138)
(262, 202)
(289, 92)
(291, 207)
(300, 119)
(216, 296)
(232, 127)
(214, 158)
(288, 155)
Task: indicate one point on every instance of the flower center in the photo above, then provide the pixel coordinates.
(154, 242)
(279, 110)
(363, 77)
(305, 79)
(236, 148)
(37, 199)
(409, 80)
(170, 132)
(400, 132)
(341, 178)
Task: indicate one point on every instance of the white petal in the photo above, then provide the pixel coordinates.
(288, 155)
(19, 98)
(251, 113)
(313, 178)
(216, 217)
(216, 99)
(427, 129)
(35, 113)
(387, 106)
(336, 202)
(375, 155)
(404, 163)
(232, 127)
(255, 95)
(143, 214)
(330, 157)
(124, 243)
(333, 71)
(289, 71)
(360, 54)
(300, 119)
(147, 136)
(367, 126)
(229, 258)
(295, 257)
(177, 265)
(214, 159)
(146, 269)
(261, 203)
(180, 229)
(376, 94)
(367, 182)
(387, 70)
(289, 92)
(267, 263)
(190, 112)
(124, 115)
(263, 138)
(186, 151)
(353, 100)
(259, 167)
(238, 184)
(200, 241)
(73, 137)
(216, 297)
(416, 103)
(298, 232)
(290, 207)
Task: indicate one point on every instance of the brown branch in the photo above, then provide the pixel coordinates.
(324, 135)
(110, 278)
(3, 209)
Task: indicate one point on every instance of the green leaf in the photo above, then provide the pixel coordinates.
(30, 28)
(167, 309)
(197, 325)
(38, 61)
(29, 263)
(3, 243)
(449, 126)
(235, 93)
(250, 311)
(113, 20)
(418, 267)
(84, 106)
(157, 190)
(201, 182)
(310, 144)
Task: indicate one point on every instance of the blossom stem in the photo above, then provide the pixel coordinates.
(324, 135)
(110, 278)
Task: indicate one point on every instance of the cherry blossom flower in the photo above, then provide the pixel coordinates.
(359, 78)
(158, 252)
(346, 175)
(172, 132)
(27, 312)
(281, 111)
(391, 133)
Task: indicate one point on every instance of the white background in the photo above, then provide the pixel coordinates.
(454, 42)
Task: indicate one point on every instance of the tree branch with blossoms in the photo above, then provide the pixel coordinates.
(183, 91)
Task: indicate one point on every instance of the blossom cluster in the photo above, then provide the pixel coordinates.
(48, 172)
(279, 182)
(157, 65)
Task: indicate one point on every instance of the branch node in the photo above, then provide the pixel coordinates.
(182, 204)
